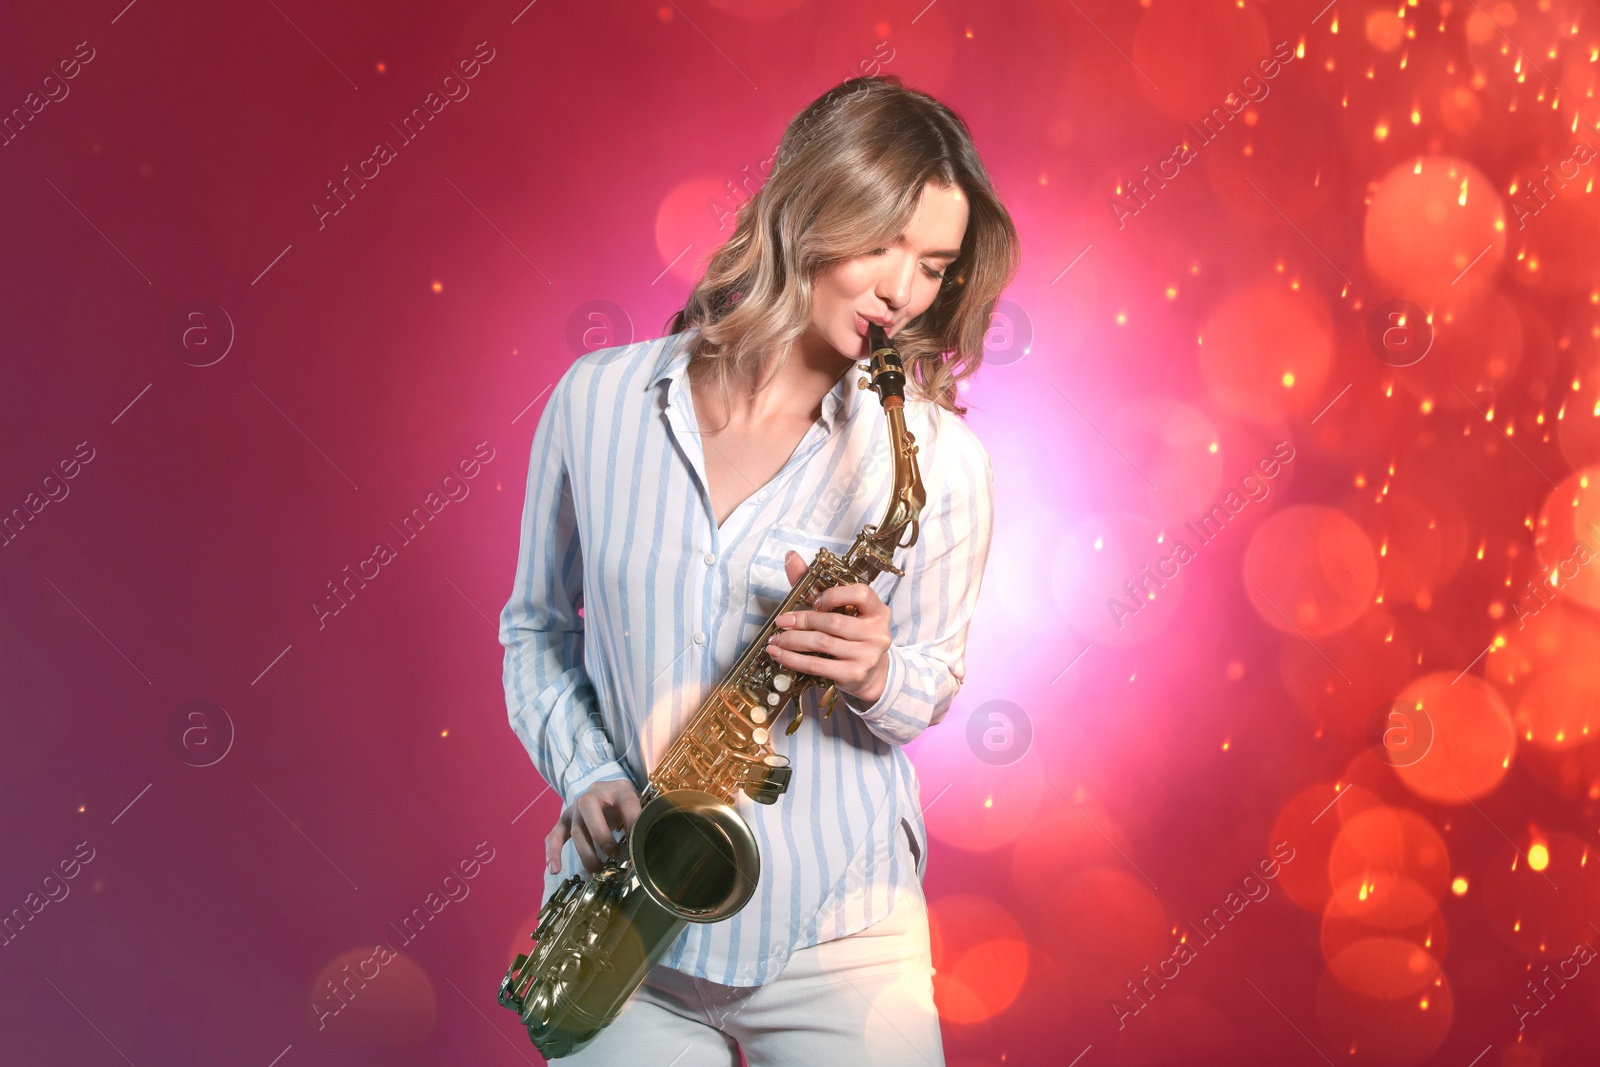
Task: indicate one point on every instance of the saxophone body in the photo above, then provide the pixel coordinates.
(690, 857)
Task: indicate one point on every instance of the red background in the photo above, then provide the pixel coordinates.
(1143, 363)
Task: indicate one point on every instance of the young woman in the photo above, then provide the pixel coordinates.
(677, 489)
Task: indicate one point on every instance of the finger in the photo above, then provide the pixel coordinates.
(592, 810)
(859, 598)
(630, 810)
(580, 838)
(815, 642)
(612, 802)
(794, 566)
(834, 670)
(552, 845)
(845, 627)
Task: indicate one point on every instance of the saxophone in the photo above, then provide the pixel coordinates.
(690, 857)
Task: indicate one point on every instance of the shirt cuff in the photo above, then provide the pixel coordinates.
(892, 683)
(605, 772)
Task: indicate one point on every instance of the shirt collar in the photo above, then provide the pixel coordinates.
(838, 407)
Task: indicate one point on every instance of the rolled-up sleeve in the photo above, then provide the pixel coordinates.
(549, 696)
(932, 605)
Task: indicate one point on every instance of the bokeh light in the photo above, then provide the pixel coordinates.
(1310, 569)
(1473, 740)
(1435, 230)
(1265, 350)
(980, 957)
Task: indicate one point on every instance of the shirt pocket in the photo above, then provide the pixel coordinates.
(768, 584)
(919, 850)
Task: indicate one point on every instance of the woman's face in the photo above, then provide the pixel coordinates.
(894, 284)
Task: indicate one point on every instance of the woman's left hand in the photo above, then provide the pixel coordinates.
(858, 644)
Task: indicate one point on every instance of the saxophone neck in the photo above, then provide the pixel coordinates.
(886, 376)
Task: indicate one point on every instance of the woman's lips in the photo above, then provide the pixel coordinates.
(862, 324)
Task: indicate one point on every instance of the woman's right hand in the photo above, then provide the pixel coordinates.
(589, 820)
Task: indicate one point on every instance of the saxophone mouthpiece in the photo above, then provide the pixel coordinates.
(887, 375)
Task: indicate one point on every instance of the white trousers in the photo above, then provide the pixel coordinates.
(865, 999)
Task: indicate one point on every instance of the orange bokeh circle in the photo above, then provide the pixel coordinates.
(1385, 1001)
(1264, 350)
(1310, 570)
(980, 957)
(1309, 822)
(1565, 539)
(1385, 968)
(1473, 740)
(1579, 427)
(1383, 907)
(1435, 230)
(1382, 844)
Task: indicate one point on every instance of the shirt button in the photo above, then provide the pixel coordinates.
(710, 559)
(699, 639)
(761, 495)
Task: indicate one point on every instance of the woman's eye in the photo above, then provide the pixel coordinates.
(934, 274)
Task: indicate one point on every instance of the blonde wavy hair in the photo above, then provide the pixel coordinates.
(846, 180)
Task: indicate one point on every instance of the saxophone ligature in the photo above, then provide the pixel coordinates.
(690, 857)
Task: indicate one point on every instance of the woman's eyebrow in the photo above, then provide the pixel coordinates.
(942, 253)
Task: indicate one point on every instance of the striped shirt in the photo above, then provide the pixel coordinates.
(631, 604)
